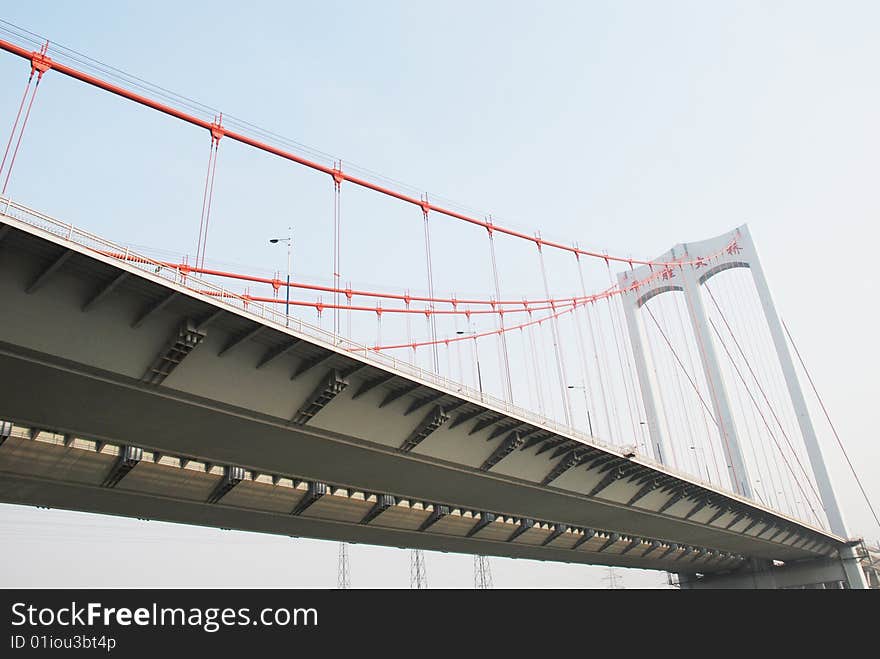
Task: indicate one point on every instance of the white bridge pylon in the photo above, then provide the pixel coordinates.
(735, 249)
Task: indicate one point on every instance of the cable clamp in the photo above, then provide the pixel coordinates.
(338, 176)
(217, 130)
(40, 62)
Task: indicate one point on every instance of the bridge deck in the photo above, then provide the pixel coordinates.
(128, 354)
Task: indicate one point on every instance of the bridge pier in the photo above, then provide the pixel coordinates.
(843, 571)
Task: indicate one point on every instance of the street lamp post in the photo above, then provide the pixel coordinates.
(473, 333)
(705, 464)
(289, 241)
(586, 405)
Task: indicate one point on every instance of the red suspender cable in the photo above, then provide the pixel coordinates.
(39, 64)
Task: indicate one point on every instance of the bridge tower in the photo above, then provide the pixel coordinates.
(734, 249)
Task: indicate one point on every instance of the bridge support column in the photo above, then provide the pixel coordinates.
(811, 443)
(736, 466)
(855, 575)
(638, 349)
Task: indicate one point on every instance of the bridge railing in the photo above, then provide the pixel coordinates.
(218, 294)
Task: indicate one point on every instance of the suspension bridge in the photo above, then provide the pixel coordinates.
(650, 415)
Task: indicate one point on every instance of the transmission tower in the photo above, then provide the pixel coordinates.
(343, 576)
(482, 573)
(614, 582)
(418, 577)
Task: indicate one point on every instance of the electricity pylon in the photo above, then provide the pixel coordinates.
(418, 577)
(343, 576)
(482, 573)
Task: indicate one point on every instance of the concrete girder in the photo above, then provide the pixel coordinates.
(40, 280)
(644, 491)
(485, 423)
(483, 522)
(562, 449)
(425, 400)
(232, 476)
(368, 385)
(535, 439)
(383, 503)
(432, 421)
(702, 551)
(558, 530)
(778, 530)
(104, 291)
(392, 396)
(348, 371)
(722, 510)
(674, 499)
(209, 318)
(129, 457)
(595, 459)
(186, 339)
(308, 364)
(524, 525)
(240, 338)
(671, 548)
(654, 544)
(150, 310)
(328, 388)
(788, 535)
(686, 551)
(504, 429)
(316, 490)
(614, 537)
(278, 351)
(755, 521)
(736, 520)
(615, 471)
(635, 542)
(555, 442)
(571, 460)
(587, 535)
(508, 446)
(702, 503)
(436, 515)
(465, 417)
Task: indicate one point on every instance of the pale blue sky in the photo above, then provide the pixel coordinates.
(627, 126)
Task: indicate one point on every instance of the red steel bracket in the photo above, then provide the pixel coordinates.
(40, 62)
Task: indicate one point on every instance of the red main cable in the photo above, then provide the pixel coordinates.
(41, 60)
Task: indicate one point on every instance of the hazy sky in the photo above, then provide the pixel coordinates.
(627, 126)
